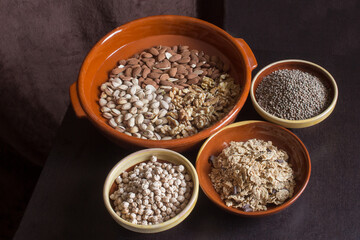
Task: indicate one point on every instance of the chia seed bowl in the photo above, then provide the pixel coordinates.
(294, 93)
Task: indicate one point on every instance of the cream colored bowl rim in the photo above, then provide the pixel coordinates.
(281, 120)
(189, 207)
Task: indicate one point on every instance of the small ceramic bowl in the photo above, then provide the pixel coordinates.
(136, 158)
(243, 131)
(167, 30)
(302, 65)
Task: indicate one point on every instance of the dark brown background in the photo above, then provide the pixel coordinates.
(42, 46)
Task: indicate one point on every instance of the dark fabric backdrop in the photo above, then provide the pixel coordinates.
(42, 46)
(43, 43)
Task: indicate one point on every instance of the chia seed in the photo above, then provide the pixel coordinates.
(293, 94)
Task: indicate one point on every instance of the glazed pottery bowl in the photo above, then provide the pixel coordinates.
(168, 30)
(143, 156)
(243, 131)
(304, 66)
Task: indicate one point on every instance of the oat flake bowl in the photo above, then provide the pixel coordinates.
(307, 68)
(134, 37)
(127, 164)
(241, 132)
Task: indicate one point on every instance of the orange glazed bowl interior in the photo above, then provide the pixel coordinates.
(240, 132)
(133, 37)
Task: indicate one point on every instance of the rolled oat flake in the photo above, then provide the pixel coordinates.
(293, 94)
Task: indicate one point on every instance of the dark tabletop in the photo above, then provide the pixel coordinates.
(67, 202)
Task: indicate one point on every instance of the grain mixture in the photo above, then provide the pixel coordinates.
(152, 193)
(293, 94)
(249, 175)
(167, 92)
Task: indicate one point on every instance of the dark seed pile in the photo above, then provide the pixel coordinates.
(293, 94)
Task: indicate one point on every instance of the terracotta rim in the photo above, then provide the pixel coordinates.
(308, 121)
(164, 143)
(259, 213)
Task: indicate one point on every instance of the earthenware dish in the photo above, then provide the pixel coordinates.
(136, 158)
(133, 37)
(302, 65)
(243, 131)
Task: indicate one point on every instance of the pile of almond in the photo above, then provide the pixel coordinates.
(167, 67)
(167, 92)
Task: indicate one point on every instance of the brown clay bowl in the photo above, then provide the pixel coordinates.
(131, 38)
(243, 131)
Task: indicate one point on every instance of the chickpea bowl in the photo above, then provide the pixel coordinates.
(151, 190)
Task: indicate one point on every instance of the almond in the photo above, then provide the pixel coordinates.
(154, 51)
(161, 57)
(181, 81)
(147, 55)
(199, 64)
(191, 76)
(164, 76)
(193, 80)
(132, 61)
(162, 50)
(149, 81)
(166, 83)
(171, 51)
(128, 72)
(193, 64)
(149, 63)
(117, 70)
(179, 76)
(181, 69)
(184, 60)
(194, 57)
(175, 58)
(163, 65)
(185, 54)
(153, 75)
(172, 72)
(145, 72)
(183, 48)
(136, 71)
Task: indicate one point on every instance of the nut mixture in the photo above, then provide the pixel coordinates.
(152, 193)
(167, 92)
(249, 175)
